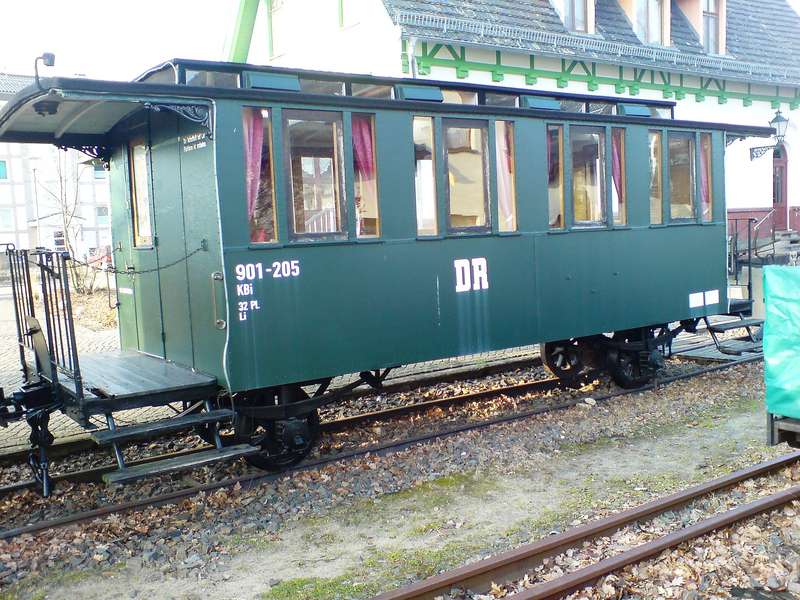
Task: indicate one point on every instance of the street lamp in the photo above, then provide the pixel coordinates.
(779, 123)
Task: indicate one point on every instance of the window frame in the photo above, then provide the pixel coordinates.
(269, 133)
(8, 210)
(610, 187)
(709, 16)
(350, 175)
(605, 199)
(437, 164)
(699, 208)
(133, 195)
(569, 16)
(647, 32)
(663, 166)
(561, 128)
(340, 173)
(691, 136)
(494, 176)
(467, 123)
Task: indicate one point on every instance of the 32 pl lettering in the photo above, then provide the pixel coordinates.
(472, 274)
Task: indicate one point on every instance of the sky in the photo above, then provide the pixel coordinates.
(111, 39)
(116, 39)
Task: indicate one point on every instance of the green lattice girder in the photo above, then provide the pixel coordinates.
(243, 30)
(577, 71)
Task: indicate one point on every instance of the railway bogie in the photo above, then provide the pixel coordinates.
(267, 240)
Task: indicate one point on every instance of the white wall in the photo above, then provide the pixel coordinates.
(30, 193)
(307, 35)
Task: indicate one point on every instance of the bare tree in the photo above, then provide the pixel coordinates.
(67, 197)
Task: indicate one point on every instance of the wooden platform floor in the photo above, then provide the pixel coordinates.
(126, 374)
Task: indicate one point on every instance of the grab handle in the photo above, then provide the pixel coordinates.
(216, 276)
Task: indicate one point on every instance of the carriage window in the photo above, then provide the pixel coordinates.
(555, 175)
(366, 180)
(493, 99)
(465, 157)
(506, 193)
(706, 191)
(460, 96)
(681, 175)
(314, 141)
(212, 79)
(602, 108)
(618, 200)
(656, 179)
(322, 86)
(140, 193)
(587, 147)
(369, 90)
(259, 181)
(425, 176)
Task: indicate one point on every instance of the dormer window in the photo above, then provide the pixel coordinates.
(649, 21)
(711, 26)
(575, 17)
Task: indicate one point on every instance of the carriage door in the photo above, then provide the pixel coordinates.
(171, 243)
(144, 285)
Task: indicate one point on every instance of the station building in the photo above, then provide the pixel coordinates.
(45, 191)
(732, 61)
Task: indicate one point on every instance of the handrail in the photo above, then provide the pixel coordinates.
(761, 222)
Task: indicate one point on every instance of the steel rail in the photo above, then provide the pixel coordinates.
(255, 479)
(586, 576)
(394, 385)
(542, 385)
(515, 563)
(94, 474)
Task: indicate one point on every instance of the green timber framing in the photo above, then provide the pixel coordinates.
(630, 79)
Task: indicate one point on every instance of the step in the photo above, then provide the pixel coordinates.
(156, 428)
(179, 463)
(739, 348)
(728, 325)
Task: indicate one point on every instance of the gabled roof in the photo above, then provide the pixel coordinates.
(765, 32)
(11, 84)
(763, 38)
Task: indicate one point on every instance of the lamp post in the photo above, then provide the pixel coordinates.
(779, 123)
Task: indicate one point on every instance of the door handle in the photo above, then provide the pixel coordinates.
(215, 277)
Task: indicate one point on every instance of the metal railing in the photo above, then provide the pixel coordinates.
(768, 218)
(738, 257)
(56, 302)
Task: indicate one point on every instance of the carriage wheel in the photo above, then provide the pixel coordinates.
(283, 442)
(626, 368)
(564, 358)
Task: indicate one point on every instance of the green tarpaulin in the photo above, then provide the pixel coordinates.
(782, 340)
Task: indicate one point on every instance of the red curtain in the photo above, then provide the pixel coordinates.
(616, 162)
(705, 167)
(253, 128)
(363, 152)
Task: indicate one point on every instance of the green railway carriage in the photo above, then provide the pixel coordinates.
(274, 228)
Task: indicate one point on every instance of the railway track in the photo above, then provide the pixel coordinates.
(513, 565)
(254, 479)
(94, 475)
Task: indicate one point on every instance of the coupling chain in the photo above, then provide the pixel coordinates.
(134, 271)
